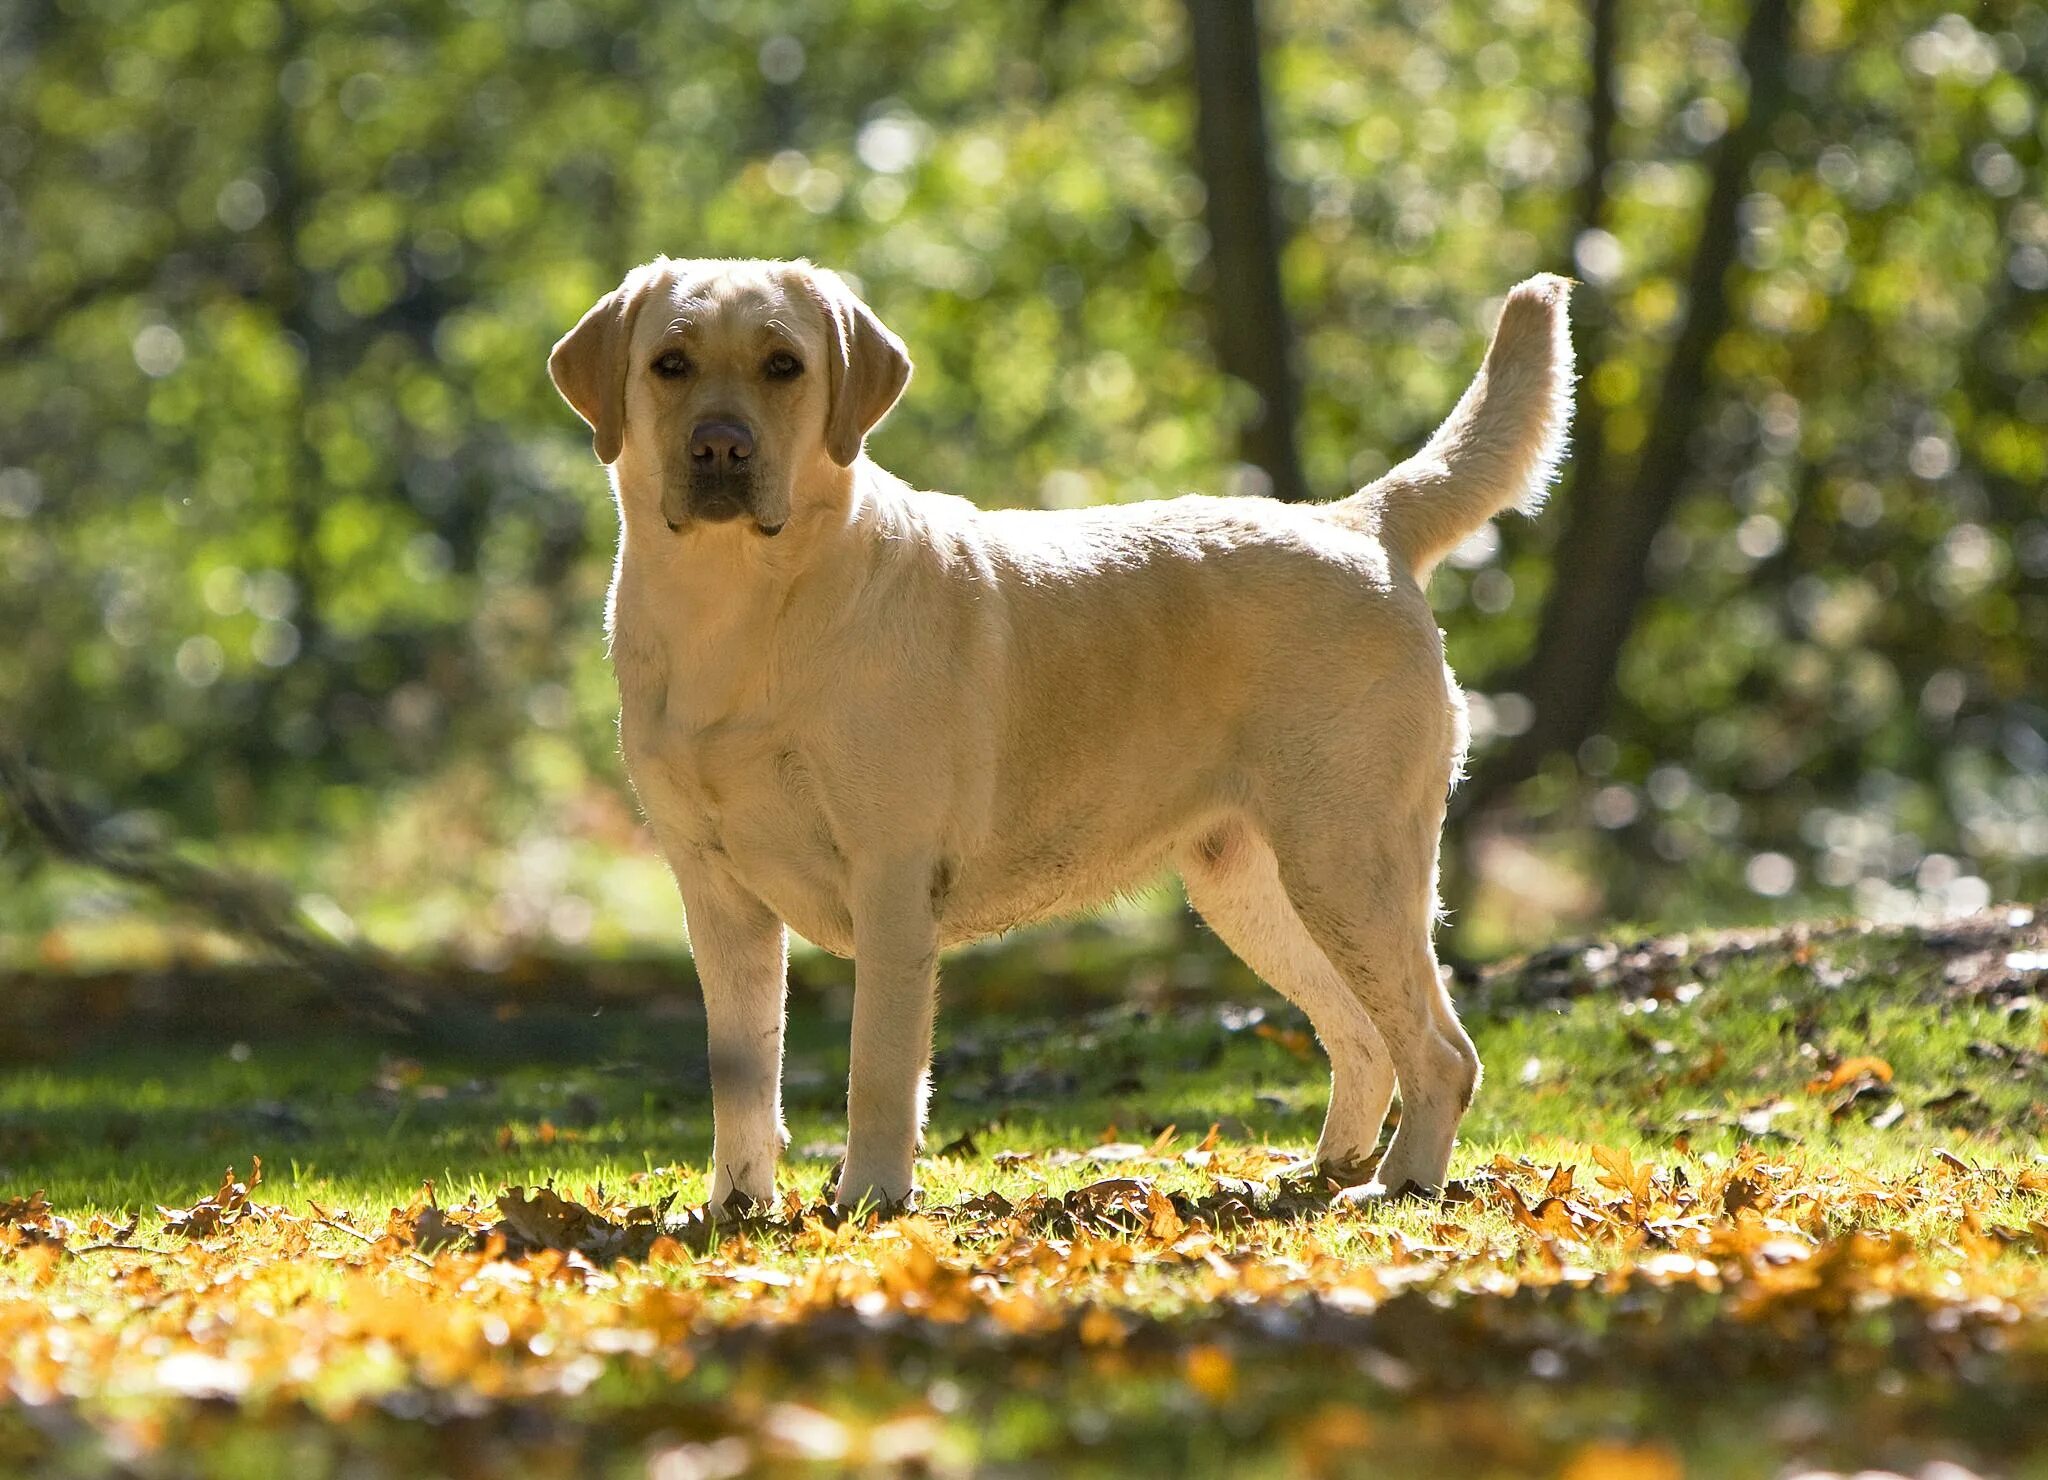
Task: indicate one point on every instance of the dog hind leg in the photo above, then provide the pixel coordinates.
(1368, 901)
(1233, 882)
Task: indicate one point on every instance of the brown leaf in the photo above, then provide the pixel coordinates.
(432, 1230)
(1116, 1151)
(1165, 1220)
(1619, 1173)
(1113, 1202)
(986, 1205)
(545, 1220)
(1741, 1192)
(29, 1223)
(228, 1208)
(1863, 1066)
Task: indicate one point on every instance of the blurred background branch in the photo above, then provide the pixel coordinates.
(41, 812)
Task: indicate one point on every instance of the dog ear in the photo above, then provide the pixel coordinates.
(588, 363)
(867, 366)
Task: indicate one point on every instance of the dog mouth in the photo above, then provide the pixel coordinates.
(722, 500)
(762, 527)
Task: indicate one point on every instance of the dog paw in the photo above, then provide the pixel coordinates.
(1369, 1194)
(1330, 1174)
(856, 1201)
(1347, 1171)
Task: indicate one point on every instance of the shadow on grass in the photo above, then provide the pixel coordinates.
(482, 1099)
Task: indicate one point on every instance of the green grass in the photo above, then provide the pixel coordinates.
(1458, 1376)
(363, 1119)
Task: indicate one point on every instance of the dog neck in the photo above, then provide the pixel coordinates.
(693, 592)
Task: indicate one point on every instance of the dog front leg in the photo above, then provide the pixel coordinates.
(741, 950)
(895, 986)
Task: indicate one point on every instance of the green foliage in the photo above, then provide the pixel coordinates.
(292, 521)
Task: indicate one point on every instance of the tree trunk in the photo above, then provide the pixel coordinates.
(291, 302)
(1601, 575)
(1586, 470)
(1603, 109)
(1253, 342)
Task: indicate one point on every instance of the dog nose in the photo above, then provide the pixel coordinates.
(723, 445)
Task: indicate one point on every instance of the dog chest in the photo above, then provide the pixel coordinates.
(745, 795)
(725, 782)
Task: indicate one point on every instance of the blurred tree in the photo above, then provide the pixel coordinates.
(1602, 561)
(301, 551)
(1253, 342)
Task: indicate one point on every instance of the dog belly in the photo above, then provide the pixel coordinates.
(981, 897)
(752, 808)
(1061, 874)
(984, 915)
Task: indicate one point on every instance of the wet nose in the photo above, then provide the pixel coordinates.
(721, 446)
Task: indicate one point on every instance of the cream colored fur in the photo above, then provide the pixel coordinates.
(895, 722)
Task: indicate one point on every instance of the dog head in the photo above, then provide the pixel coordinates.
(721, 390)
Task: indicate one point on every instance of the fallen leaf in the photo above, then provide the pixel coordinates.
(1848, 1072)
(224, 1210)
(1116, 1151)
(28, 1222)
(544, 1220)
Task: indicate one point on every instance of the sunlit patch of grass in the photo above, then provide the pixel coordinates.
(1791, 1212)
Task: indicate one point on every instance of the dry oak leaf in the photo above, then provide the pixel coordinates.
(1119, 1204)
(228, 1208)
(1619, 1173)
(546, 1220)
(27, 1222)
(1744, 1191)
(431, 1230)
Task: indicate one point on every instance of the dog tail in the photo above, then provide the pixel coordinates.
(1500, 447)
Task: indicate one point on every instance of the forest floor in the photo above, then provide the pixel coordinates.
(1767, 1203)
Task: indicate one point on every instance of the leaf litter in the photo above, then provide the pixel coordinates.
(540, 1294)
(1212, 1273)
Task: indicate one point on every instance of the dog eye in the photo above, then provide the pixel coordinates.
(783, 365)
(672, 366)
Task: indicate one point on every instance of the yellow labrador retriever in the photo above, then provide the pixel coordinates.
(895, 722)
